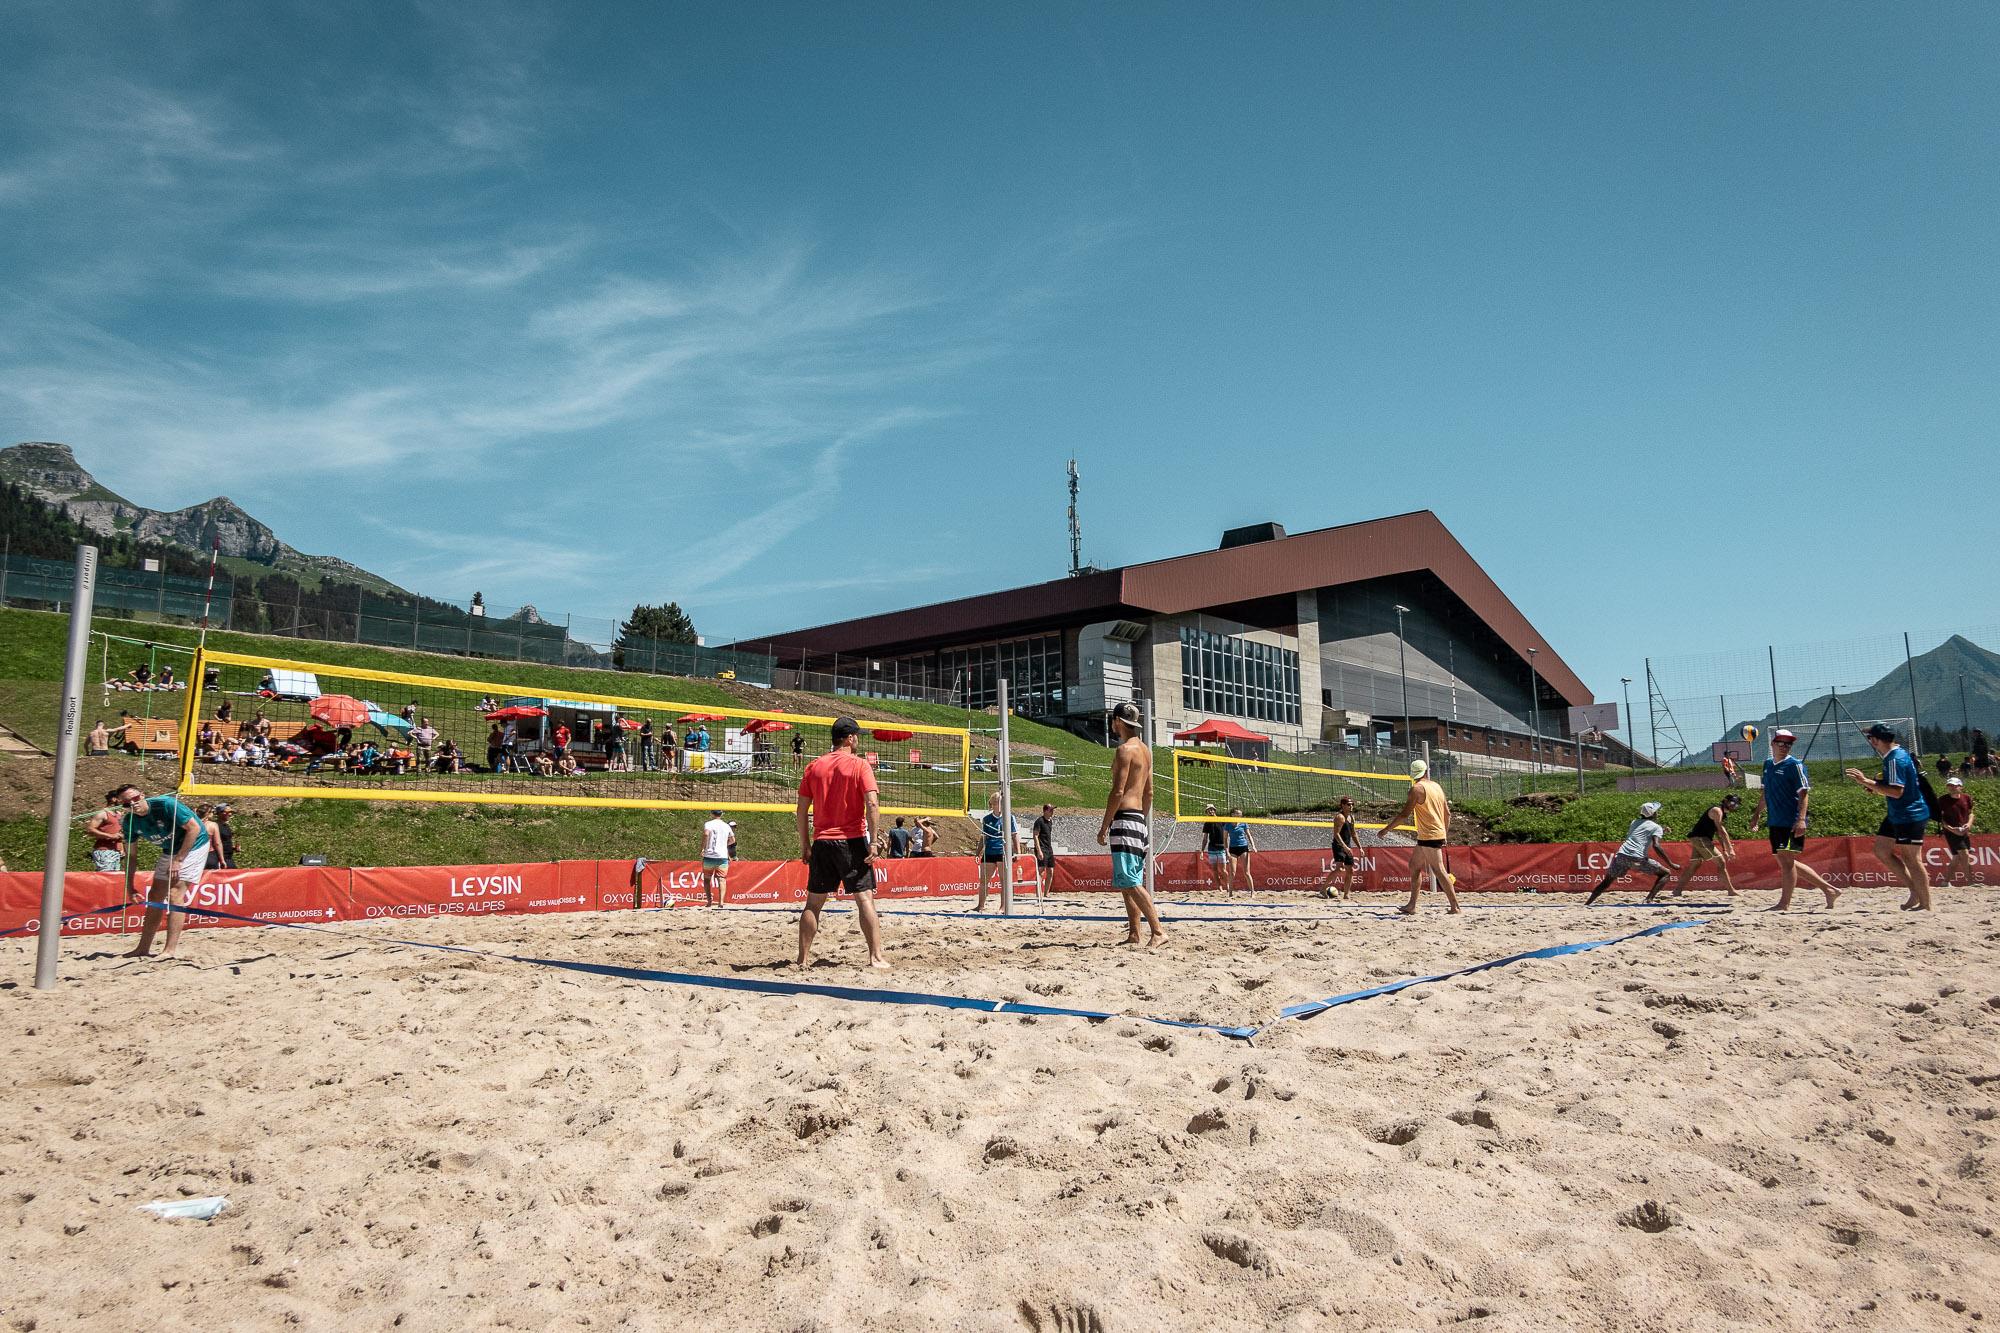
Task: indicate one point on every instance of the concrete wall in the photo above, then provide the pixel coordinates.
(1455, 670)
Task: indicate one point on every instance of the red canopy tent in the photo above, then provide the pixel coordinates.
(1216, 730)
(1238, 740)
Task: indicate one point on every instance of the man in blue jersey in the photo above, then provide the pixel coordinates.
(1899, 842)
(1786, 793)
(182, 838)
(994, 837)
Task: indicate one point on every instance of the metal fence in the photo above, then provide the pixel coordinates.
(519, 634)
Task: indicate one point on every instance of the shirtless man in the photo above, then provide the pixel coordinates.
(1124, 829)
(1433, 819)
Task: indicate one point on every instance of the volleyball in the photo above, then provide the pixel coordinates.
(1749, 732)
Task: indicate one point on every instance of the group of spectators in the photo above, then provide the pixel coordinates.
(112, 836)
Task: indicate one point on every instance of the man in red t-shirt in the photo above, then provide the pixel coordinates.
(838, 810)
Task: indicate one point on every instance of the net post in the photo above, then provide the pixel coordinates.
(1006, 808)
(48, 934)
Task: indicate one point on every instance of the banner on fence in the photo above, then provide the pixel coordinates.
(307, 894)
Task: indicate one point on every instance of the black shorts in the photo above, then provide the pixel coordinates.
(1343, 856)
(1045, 863)
(1784, 839)
(841, 865)
(1910, 834)
(1431, 842)
(988, 860)
(1958, 842)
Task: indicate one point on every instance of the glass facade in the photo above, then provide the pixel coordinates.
(1221, 673)
(1033, 668)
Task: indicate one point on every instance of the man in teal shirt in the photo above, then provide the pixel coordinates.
(183, 842)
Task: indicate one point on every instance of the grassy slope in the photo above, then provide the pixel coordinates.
(362, 833)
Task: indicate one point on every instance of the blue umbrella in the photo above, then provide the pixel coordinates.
(387, 721)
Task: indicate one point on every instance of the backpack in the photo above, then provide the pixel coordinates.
(1924, 785)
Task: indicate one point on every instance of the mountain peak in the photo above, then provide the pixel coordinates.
(50, 473)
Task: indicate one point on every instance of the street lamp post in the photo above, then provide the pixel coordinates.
(1631, 750)
(1403, 669)
(1535, 697)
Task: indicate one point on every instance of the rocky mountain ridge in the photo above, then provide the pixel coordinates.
(51, 473)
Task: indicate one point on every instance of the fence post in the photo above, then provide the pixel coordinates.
(357, 612)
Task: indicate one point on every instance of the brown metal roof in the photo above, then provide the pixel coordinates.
(1353, 553)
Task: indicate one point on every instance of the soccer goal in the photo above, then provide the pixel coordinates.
(1275, 793)
(317, 730)
(1828, 737)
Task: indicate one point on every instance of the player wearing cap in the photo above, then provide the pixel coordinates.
(1954, 816)
(1640, 850)
(1125, 828)
(1783, 798)
(1426, 805)
(1899, 842)
(1709, 840)
(838, 811)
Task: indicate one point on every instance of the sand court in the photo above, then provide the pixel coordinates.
(1772, 1122)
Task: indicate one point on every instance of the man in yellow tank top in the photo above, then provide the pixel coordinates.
(1428, 809)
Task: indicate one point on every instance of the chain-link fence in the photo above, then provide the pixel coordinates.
(351, 614)
(1939, 689)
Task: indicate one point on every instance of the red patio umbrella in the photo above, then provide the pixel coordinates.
(629, 723)
(338, 710)
(757, 726)
(515, 710)
(704, 717)
(890, 734)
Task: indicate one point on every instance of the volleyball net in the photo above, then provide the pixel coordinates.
(1207, 785)
(261, 726)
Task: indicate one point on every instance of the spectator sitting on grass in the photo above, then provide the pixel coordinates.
(260, 753)
(205, 740)
(239, 753)
(543, 765)
(448, 759)
(567, 766)
(224, 711)
(142, 676)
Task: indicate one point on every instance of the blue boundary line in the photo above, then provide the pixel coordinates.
(871, 995)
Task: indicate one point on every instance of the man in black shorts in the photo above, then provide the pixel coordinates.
(838, 810)
(1045, 850)
(1344, 843)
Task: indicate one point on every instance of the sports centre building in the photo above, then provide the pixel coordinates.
(1310, 640)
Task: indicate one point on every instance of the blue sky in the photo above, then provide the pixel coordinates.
(797, 312)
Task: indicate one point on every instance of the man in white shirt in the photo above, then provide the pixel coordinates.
(1640, 851)
(715, 859)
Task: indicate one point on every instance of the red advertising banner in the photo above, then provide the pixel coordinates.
(302, 894)
(762, 883)
(391, 892)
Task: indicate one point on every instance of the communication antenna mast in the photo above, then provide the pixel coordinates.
(1075, 528)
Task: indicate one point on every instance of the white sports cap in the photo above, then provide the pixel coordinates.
(1649, 809)
(1949, 782)
(1417, 769)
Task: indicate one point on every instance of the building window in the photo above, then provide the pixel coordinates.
(1221, 673)
(1033, 668)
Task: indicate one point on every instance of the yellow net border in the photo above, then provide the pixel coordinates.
(1186, 758)
(191, 719)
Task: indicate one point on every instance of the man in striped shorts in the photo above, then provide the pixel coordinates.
(1124, 829)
